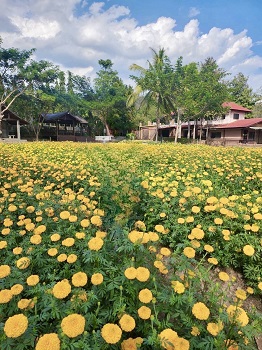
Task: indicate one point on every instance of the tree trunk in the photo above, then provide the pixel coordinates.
(188, 129)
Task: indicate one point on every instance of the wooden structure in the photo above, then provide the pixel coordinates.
(10, 126)
(63, 126)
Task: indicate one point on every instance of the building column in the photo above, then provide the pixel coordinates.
(18, 129)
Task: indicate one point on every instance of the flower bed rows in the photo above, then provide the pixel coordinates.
(111, 246)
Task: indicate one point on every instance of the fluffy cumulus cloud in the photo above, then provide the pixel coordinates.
(77, 33)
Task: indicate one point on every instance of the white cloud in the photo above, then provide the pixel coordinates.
(193, 12)
(77, 42)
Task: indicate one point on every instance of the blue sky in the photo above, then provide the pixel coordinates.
(75, 34)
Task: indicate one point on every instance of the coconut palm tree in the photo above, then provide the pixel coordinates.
(154, 86)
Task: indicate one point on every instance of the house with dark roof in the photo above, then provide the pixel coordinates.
(63, 126)
(10, 126)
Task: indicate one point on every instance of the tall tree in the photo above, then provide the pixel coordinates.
(20, 73)
(154, 86)
(110, 99)
(240, 92)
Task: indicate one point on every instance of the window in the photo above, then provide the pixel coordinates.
(251, 135)
(235, 116)
(215, 134)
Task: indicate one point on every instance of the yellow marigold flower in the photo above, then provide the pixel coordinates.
(73, 325)
(197, 232)
(36, 239)
(231, 344)
(241, 294)
(238, 314)
(167, 338)
(61, 289)
(258, 216)
(48, 341)
(195, 209)
(130, 273)
(189, 252)
(260, 285)
(6, 231)
(180, 220)
(153, 236)
(165, 251)
(160, 228)
(127, 323)
(62, 257)
(144, 312)
(68, 242)
(250, 290)
(17, 250)
(5, 296)
(15, 326)
(142, 274)
(200, 311)
(195, 243)
(16, 289)
(131, 344)
(30, 226)
(55, 237)
(97, 278)
(218, 221)
(254, 228)
(101, 234)
(24, 304)
(208, 248)
(213, 261)
(5, 271)
(190, 219)
(248, 250)
(79, 279)
(64, 215)
(187, 194)
(23, 263)
(39, 230)
(72, 218)
(80, 235)
(181, 344)
(7, 223)
(212, 200)
(213, 328)
(135, 236)
(30, 209)
(195, 331)
(52, 251)
(178, 287)
(95, 243)
(140, 225)
(71, 258)
(85, 223)
(3, 244)
(32, 280)
(145, 296)
(96, 220)
(223, 276)
(111, 333)
(12, 208)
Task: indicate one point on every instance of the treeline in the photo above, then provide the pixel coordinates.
(162, 91)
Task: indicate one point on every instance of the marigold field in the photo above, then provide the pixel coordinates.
(129, 246)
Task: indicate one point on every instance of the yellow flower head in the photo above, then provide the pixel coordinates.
(208, 248)
(96, 220)
(178, 287)
(73, 325)
(165, 251)
(16, 289)
(145, 296)
(181, 344)
(212, 261)
(111, 333)
(68, 242)
(127, 323)
(79, 279)
(238, 314)
(62, 257)
(213, 328)
(95, 243)
(140, 225)
(131, 344)
(5, 271)
(130, 273)
(189, 252)
(3, 244)
(24, 304)
(160, 228)
(248, 250)
(85, 223)
(197, 233)
(16, 326)
(62, 289)
(71, 258)
(167, 338)
(195, 331)
(144, 312)
(80, 235)
(223, 276)
(52, 251)
(32, 280)
(64, 215)
(36, 239)
(5, 296)
(48, 341)
(97, 278)
(200, 311)
(241, 294)
(55, 237)
(135, 236)
(142, 274)
(23, 263)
